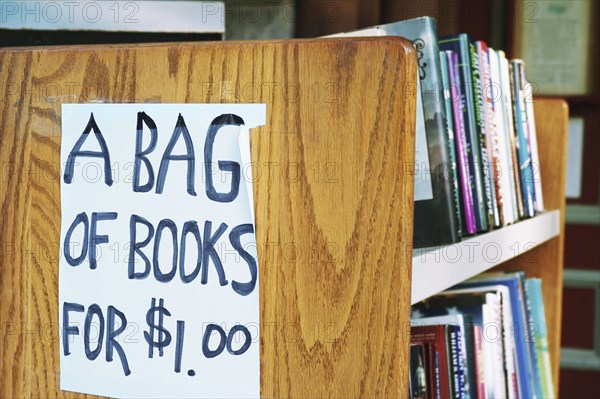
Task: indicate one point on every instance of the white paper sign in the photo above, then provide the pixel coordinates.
(158, 273)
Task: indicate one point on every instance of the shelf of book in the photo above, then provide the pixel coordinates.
(455, 263)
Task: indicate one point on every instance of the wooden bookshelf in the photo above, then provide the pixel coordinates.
(333, 319)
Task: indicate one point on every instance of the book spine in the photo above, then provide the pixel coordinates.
(531, 339)
(479, 361)
(433, 388)
(535, 159)
(452, 362)
(541, 336)
(522, 140)
(495, 170)
(501, 377)
(526, 356)
(518, 211)
(451, 139)
(438, 382)
(461, 144)
(469, 355)
(509, 348)
(508, 203)
(462, 386)
(481, 134)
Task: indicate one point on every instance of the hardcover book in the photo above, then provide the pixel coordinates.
(510, 125)
(456, 377)
(535, 159)
(435, 337)
(418, 372)
(491, 132)
(460, 139)
(522, 138)
(531, 329)
(508, 202)
(460, 44)
(482, 131)
(465, 337)
(540, 335)
(451, 137)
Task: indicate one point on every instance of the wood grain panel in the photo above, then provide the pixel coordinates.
(333, 198)
(546, 261)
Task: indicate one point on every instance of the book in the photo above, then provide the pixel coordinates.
(507, 106)
(491, 132)
(418, 380)
(535, 159)
(504, 170)
(460, 140)
(540, 336)
(456, 377)
(465, 336)
(522, 139)
(482, 133)
(531, 329)
(435, 338)
(479, 361)
(451, 138)
(460, 44)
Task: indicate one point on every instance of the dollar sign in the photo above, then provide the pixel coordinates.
(164, 337)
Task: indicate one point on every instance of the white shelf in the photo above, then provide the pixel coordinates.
(436, 269)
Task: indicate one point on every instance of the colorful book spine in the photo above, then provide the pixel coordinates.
(455, 390)
(479, 362)
(531, 330)
(462, 391)
(461, 144)
(540, 335)
(491, 132)
(510, 123)
(435, 336)
(509, 204)
(535, 159)
(522, 139)
(481, 128)
(460, 44)
(451, 138)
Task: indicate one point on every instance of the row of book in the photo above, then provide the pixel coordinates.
(492, 135)
(476, 164)
(485, 338)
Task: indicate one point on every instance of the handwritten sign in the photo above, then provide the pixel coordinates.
(158, 274)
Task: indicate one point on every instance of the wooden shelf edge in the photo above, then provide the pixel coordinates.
(436, 269)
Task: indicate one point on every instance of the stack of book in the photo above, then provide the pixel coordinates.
(485, 338)
(477, 165)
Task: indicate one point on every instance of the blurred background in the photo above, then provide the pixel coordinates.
(558, 39)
